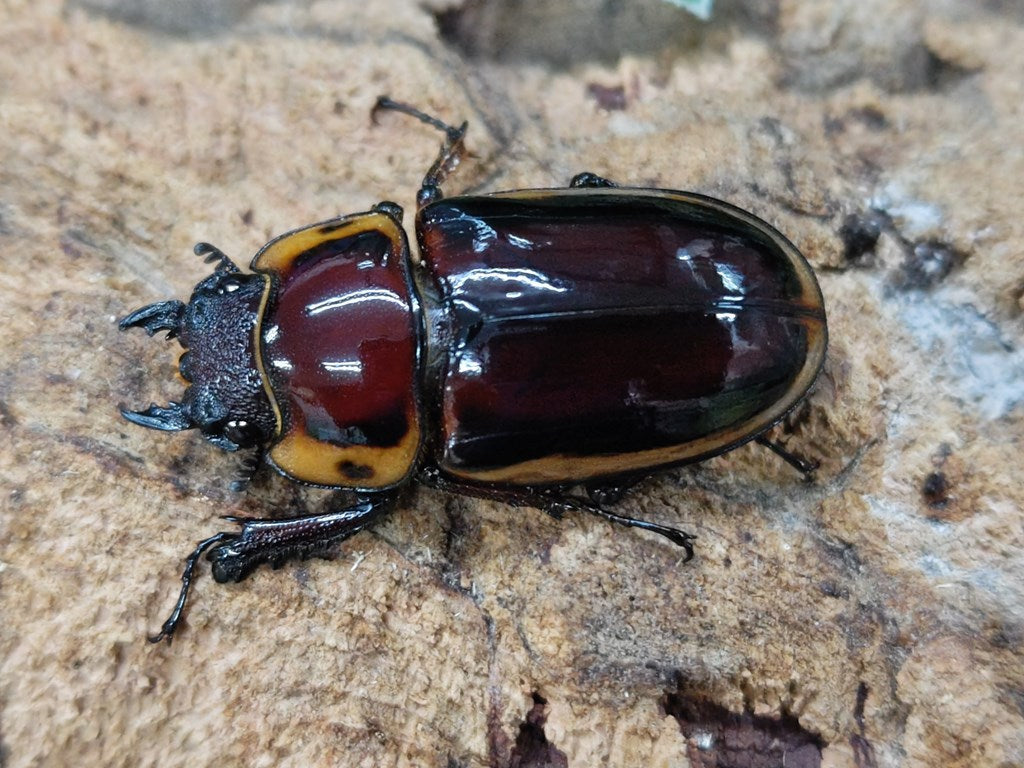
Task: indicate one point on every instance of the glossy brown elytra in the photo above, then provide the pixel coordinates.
(544, 339)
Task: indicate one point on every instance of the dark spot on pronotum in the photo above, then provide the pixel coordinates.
(935, 489)
(718, 737)
(610, 97)
(354, 471)
(532, 748)
(247, 216)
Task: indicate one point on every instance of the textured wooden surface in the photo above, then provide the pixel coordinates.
(872, 617)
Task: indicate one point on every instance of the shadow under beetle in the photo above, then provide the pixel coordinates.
(546, 339)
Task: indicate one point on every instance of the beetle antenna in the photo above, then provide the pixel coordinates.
(170, 419)
(212, 253)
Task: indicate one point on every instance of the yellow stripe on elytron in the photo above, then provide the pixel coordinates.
(279, 253)
(257, 345)
(311, 461)
(561, 468)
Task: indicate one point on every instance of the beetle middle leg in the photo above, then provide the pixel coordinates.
(555, 503)
(611, 492)
(452, 149)
(235, 555)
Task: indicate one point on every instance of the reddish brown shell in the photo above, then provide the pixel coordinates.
(340, 352)
(598, 332)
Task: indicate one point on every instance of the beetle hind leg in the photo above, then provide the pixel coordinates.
(802, 465)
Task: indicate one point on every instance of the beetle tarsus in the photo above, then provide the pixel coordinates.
(452, 150)
(798, 463)
(386, 103)
(588, 180)
(171, 625)
(248, 463)
(676, 536)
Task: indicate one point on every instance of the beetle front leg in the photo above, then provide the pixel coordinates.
(235, 555)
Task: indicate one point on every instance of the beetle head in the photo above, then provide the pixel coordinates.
(225, 399)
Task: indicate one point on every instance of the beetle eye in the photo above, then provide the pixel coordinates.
(240, 432)
(228, 286)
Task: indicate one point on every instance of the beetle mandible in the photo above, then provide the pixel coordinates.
(545, 340)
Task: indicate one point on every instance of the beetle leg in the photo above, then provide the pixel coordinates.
(553, 501)
(167, 630)
(448, 159)
(799, 464)
(389, 208)
(272, 541)
(676, 536)
(248, 463)
(588, 180)
(611, 493)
